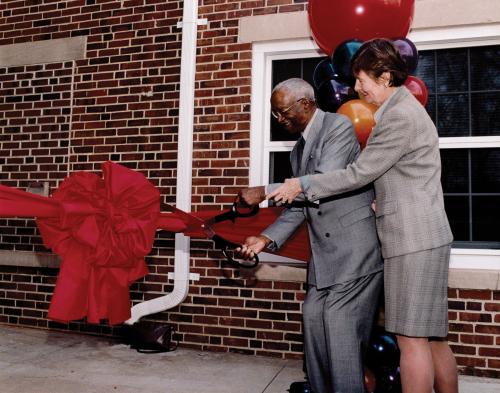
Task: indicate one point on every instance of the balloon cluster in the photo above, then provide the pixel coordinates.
(382, 364)
(339, 29)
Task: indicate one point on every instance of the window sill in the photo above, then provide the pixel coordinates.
(462, 278)
(28, 259)
(484, 275)
(474, 279)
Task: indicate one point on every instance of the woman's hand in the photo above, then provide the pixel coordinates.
(287, 192)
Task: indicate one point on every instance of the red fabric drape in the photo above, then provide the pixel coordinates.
(297, 247)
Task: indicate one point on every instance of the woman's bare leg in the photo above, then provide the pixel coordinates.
(445, 367)
(417, 369)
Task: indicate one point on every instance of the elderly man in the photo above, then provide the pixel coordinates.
(345, 271)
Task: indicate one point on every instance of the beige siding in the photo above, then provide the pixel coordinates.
(428, 14)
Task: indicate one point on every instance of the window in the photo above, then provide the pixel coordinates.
(464, 91)
(464, 97)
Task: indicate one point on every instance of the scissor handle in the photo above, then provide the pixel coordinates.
(224, 244)
(233, 213)
(238, 213)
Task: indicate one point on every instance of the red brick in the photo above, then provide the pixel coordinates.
(470, 361)
(476, 339)
(258, 324)
(489, 352)
(487, 329)
(287, 326)
(236, 342)
(494, 307)
(461, 327)
(494, 363)
(474, 317)
(474, 294)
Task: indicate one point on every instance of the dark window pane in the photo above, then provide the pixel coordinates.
(286, 69)
(485, 167)
(426, 69)
(485, 67)
(486, 216)
(279, 167)
(452, 72)
(457, 209)
(431, 107)
(294, 68)
(308, 67)
(485, 113)
(278, 133)
(453, 115)
(455, 170)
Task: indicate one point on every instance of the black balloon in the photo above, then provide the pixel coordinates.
(383, 350)
(341, 60)
(300, 387)
(408, 52)
(388, 380)
(382, 358)
(323, 72)
(332, 94)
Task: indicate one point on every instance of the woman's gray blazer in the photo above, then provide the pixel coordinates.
(402, 159)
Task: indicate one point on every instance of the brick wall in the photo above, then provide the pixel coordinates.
(475, 330)
(121, 103)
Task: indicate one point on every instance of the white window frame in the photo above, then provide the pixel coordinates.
(264, 53)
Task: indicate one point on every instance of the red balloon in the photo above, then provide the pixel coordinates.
(417, 88)
(333, 22)
(361, 114)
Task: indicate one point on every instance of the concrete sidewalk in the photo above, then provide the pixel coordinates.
(41, 361)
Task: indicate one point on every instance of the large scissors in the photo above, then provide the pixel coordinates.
(197, 224)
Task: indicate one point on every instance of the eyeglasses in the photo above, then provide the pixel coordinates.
(276, 114)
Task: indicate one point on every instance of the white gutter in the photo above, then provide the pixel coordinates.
(184, 166)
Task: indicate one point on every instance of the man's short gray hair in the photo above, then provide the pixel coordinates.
(296, 87)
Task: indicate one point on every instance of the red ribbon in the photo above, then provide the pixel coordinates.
(102, 228)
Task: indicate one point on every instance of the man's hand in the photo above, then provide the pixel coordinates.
(287, 192)
(252, 196)
(252, 246)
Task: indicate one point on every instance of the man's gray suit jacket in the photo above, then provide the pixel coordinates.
(402, 159)
(342, 231)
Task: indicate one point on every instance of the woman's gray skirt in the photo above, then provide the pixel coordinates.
(416, 293)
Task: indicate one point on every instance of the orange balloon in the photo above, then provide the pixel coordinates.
(370, 380)
(361, 115)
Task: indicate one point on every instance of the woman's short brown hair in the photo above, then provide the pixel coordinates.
(377, 56)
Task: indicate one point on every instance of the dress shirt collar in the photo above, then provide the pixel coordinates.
(305, 133)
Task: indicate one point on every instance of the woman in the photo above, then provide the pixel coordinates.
(402, 159)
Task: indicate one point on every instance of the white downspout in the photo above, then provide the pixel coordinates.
(184, 166)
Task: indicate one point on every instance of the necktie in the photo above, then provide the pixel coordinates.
(300, 149)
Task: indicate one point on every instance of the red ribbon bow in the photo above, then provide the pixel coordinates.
(104, 229)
